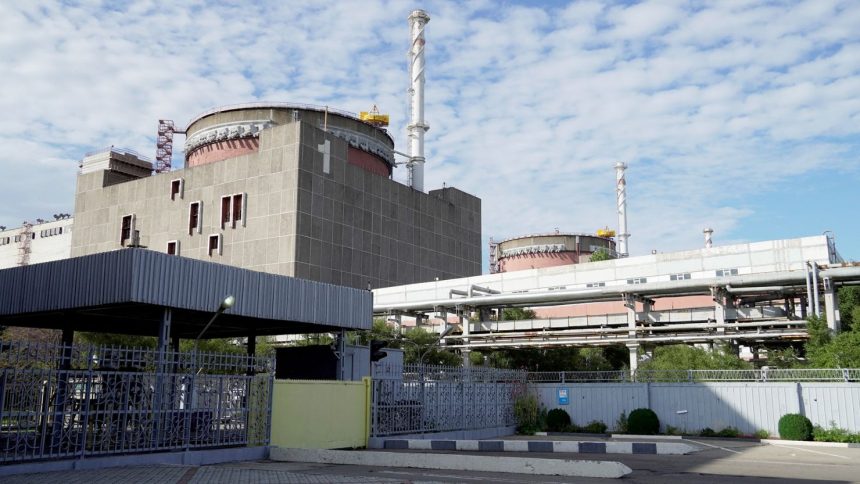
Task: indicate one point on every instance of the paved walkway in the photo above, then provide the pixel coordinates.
(233, 473)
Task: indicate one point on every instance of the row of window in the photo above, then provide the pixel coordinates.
(673, 277)
(16, 238)
(214, 247)
(233, 212)
(51, 232)
(42, 234)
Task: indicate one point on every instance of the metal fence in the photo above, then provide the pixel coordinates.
(679, 376)
(77, 401)
(413, 399)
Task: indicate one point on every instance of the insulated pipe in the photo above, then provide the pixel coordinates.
(475, 288)
(606, 341)
(815, 305)
(417, 21)
(621, 205)
(680, 327)
(808, 290)
(686, 287)
(753, 290)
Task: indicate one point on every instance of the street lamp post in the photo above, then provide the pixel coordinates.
(226, 304)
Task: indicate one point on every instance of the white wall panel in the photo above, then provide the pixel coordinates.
(747, 406)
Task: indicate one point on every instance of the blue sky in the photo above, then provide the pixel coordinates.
(740, 115)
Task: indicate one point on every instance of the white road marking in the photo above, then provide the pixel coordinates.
(810, 450)
(716, 447)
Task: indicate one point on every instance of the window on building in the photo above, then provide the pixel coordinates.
(215, 244)
(239, 209)
(126, 229)
(195, 217)
(637, 280)
(17, 238)
(173, 247)
(177, 188)
(596, 284)
(726, 272)
(4, 240)
(232, 210)
(679, 277)
(226, 203)
(51, 232)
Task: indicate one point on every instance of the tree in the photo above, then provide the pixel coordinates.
(788, 357)
(380, 331)
(517, 314)
(684, 357)
(418, 341)
(113, 339)
(599, 255)
(842, 351)
(849, 306)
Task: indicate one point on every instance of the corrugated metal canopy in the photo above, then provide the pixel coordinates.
(126, 291)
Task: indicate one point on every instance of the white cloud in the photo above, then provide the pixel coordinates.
(529, 106)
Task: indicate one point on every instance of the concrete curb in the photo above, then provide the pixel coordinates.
(806, 443)
(511, 465)
(566, 446)
(647, 437)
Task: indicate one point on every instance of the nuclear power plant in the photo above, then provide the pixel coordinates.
(285, 188)
(308, 191)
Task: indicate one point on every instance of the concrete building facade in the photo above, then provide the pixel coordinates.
(308, 197)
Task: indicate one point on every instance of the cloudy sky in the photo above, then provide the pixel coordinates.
(739, 115)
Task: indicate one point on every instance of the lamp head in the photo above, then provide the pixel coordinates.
(228, 302)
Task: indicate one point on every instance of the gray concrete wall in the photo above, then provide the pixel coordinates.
(747, 406)
(266, 242)
(355, 227)
(348, 227)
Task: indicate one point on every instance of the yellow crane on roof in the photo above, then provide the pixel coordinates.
(373, 117)
(606, 232)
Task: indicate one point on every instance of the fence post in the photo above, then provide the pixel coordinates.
(845, 375)
(3, 392)
(368, 406)
(690, 376)
(86, 409)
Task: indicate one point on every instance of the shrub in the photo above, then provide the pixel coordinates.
(621, 423)
(571, 429)
(670, 430)
(595, 427)
(793, 426)
(643, 421)
(557, 419)
(834, 434)
(527, 413)
(762, 434)
(730, 432)
(707, 432)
